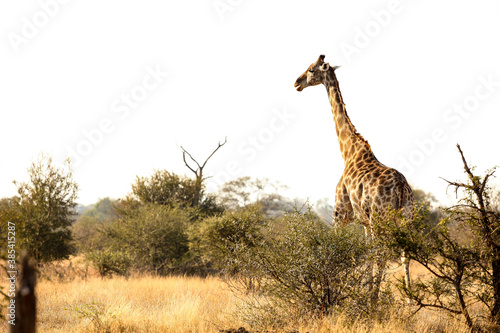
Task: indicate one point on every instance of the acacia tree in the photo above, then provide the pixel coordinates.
(477, 211)
(44, 210)
(462, 273)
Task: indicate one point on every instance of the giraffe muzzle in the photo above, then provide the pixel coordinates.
(298, 86)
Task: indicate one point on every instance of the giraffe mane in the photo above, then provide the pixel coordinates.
(340, 100)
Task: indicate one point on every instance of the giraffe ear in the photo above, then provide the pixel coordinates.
(325, 67)
(335, 67)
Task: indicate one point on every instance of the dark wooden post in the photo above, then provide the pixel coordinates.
(25, 321)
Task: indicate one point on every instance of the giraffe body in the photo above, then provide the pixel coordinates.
(367, 187)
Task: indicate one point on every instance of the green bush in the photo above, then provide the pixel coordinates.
(220, 235)
(109, 262)
(155, 236)
(304, 265)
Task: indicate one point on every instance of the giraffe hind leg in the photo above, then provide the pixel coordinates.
(406, 265)
(343, 211)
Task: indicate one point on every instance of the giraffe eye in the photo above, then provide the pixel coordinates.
(311, 71)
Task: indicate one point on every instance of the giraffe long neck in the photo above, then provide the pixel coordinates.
(350, 141)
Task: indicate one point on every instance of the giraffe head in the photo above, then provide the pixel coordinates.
(315, 74)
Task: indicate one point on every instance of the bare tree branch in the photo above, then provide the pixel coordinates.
(184, 152)
(466, 167)
(218, 146)
(199, 172)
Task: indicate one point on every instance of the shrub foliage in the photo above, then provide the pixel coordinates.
(299, 261)
(463, 273)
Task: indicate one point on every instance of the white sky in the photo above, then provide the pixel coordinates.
(410, 70)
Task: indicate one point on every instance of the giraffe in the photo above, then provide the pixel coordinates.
(367, 187)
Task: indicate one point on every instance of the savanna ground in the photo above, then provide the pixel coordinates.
(74, 299)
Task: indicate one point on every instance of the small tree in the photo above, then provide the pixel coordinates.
(153, 235)
(219, 235)
(44, 210)
(477, 211)
(448, 262)
(462, 273)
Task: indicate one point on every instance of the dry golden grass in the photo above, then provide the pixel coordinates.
(187, 304)
(143, 304)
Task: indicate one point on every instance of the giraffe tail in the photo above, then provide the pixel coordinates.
(405, 201)
(399, 198)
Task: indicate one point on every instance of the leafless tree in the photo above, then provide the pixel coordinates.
(199, 170)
